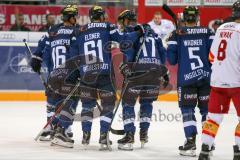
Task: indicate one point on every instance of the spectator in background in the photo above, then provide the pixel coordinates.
(50, 22)
(19, 24)
(217, 23)
(161, 26)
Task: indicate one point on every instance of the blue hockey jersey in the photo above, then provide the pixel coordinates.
(93, 45)
(57, 45)
(151, 51)
(41, 46)
(189, 49)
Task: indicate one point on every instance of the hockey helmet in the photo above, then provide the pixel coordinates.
(69, 11)
(96, 12)
(236, 9)
(127, 14)
(190, 14)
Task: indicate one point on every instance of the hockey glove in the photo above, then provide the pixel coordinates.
(74, 77)
(165, 80)
(125, 70)
(145, 28)
(139, 29)
(36, 63)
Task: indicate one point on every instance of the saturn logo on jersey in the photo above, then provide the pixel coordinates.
(65, 31)
(197, 30)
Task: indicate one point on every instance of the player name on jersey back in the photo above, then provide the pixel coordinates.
(196, 42)
(62, 42)
(92, 36)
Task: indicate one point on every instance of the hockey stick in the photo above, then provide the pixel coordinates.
(40, 75)
(121, 96)
(166, 8)
(58, 110)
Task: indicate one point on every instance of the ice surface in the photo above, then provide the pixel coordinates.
(21, 121)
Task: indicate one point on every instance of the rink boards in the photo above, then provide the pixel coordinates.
(18, 82)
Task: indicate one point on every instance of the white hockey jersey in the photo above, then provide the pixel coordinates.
(165, 28)
(225, 56)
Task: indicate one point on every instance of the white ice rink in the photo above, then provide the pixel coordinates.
(21, 121)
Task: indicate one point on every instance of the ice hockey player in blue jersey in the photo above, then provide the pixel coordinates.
(36, 62)
(189, 48)
(53, 51)
(152, 53)
(94, 44)
(60, 38)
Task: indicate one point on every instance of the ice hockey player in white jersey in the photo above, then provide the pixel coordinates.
(225, 82)
(160, 26)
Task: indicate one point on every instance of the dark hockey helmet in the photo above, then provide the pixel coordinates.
(127, 14)
(236, 9)
(69, 11)
(218, 22)
(190, 14)
(96, 12)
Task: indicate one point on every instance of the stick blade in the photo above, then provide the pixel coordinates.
(117, 132)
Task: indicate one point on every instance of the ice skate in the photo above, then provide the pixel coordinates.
(143, 137)
(236, 151)
(205, 153)
(189, 147)
(47, 134)
(69, 132)
(61, 139)
(211, 150)
(86, 139)
(126, 143)
(103, 142)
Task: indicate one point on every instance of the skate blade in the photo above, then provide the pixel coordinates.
(143, 143)
(189, 153)
(58, 142)
(45, 139)
(126, 147)
(85, 146)
(211, 153)
(105, 147)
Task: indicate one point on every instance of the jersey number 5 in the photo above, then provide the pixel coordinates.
(196, 57)
(222, 50)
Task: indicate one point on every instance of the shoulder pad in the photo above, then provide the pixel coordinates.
(210, 31)
(53, 30)
(55, 27)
